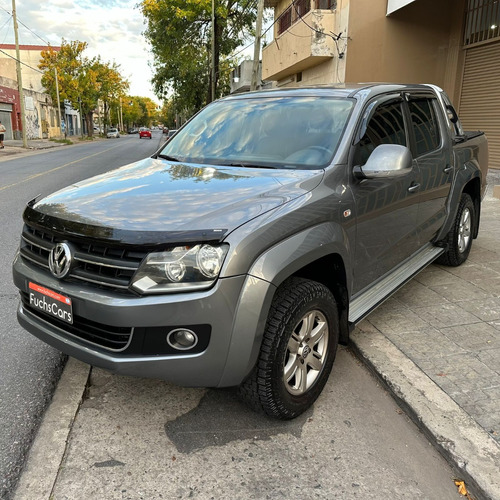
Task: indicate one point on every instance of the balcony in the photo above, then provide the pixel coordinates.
(299, 41)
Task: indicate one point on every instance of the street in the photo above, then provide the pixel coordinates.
(30, 369)
(146, 439)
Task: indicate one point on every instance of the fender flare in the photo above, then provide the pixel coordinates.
(268, 271)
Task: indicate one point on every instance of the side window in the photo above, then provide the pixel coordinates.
(386, 126)
(425, 125)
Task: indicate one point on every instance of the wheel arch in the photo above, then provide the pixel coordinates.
(320, 254)
(305, 255)
(473, 189)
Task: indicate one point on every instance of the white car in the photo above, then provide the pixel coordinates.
(113, 132)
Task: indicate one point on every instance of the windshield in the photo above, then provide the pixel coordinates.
(281, 132)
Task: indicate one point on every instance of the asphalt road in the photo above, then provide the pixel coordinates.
(29, 369)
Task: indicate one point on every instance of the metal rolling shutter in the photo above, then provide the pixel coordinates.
(480, 99)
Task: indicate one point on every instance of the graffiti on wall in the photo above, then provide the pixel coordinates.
(32, 124)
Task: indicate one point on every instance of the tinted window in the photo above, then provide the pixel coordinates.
(386, 126)
(282, 132)
(425, 125)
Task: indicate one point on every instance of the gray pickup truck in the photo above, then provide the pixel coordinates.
(248, 247)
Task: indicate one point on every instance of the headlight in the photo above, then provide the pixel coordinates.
(180, 269)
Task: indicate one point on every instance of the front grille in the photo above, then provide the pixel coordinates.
(115, 338)
(97, 264)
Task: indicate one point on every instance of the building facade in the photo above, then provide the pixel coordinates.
(454, 44)
(42, 120)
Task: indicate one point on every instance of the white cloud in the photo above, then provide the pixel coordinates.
(112, 28)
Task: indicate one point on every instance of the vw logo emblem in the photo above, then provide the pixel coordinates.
(60, 260)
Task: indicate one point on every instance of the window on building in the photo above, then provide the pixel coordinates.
(298, 77)
(292, 14)
(482, 21)
(425, 125)
(325, 4)
(386, 126)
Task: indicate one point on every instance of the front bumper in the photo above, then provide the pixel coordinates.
(234, 311)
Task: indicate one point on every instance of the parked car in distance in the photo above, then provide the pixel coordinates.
(171, 133)
(251, 244)
(97, 130)
(144, 132)
(133, 131)
(113, 133)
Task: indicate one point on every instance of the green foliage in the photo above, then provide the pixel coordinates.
(138, 111)
(179, 32)
(81, 80)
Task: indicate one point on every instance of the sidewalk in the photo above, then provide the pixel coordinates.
(16, 146)
(435, 345)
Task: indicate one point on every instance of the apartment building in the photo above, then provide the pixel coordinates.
(452, 43)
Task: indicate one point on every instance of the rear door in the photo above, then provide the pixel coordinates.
(433, 153)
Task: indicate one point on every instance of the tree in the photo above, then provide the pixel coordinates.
(81, 80)
(139, 111)
(180, 35)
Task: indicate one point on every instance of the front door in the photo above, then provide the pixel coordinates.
(386, 209)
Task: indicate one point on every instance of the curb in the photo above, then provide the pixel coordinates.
(47, 452)
(464, 444)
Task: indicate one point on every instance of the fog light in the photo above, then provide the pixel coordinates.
(182, 339)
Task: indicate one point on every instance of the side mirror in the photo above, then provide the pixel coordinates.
(386, 160)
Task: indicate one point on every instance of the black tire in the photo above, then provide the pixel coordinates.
(459, 239)
(299, 308)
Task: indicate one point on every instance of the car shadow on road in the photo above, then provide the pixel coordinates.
(221, 418)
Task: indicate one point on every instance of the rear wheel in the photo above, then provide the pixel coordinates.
(297, 352)
(459, 239)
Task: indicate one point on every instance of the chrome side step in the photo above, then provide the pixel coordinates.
(362, 304)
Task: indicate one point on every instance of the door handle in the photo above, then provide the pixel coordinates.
(447, 169)
(414, 187)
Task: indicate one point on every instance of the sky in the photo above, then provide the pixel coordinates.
(112, 28)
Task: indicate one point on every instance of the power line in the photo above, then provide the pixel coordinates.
(24, 64)
(27, 27)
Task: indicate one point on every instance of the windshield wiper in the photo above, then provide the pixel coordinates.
(167, 157)
(247, 165)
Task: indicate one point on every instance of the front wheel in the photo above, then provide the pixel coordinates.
(297, 352)
(459, 239)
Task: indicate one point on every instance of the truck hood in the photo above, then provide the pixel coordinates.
(153, 201)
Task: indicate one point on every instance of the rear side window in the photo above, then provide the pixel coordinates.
(386, 126)
(425, 125)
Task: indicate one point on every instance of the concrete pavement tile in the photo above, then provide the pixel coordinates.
(460, 291)
(481, 255)
(436, 275)
(444, 315)
(474, 337)
(485, 310)
(475, 272)
(401, 320)
(491, 358)
(425, 344)
(417, 293)
(492, 286)
(366, 327)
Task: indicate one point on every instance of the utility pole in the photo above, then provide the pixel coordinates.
(256, 50)
(19, 76)
(58, 102)
(212, 90)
